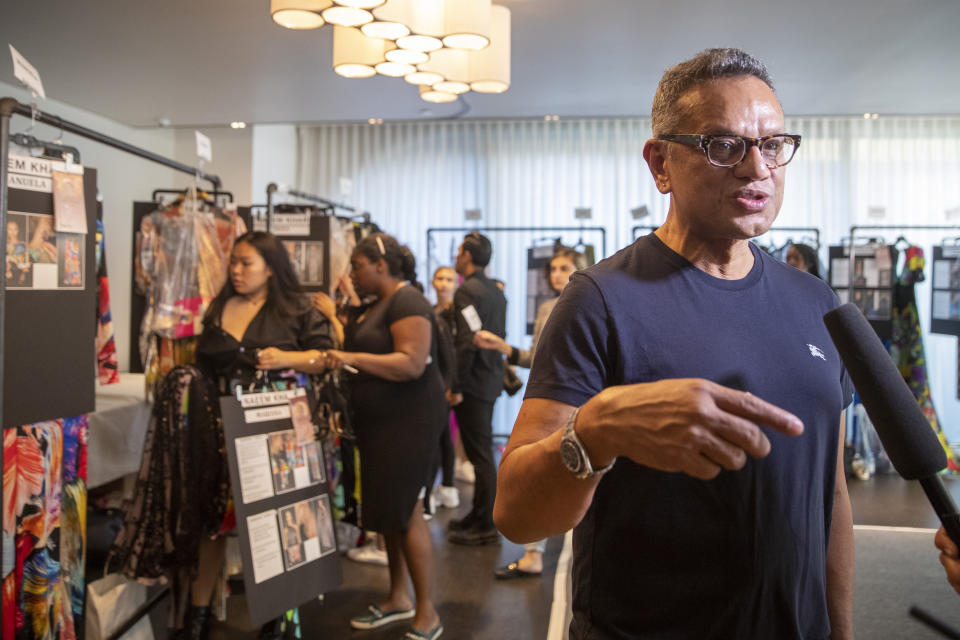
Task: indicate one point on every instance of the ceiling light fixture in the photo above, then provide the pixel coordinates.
(354, 54)
(407, 56)
(424, 18)
(360, 4)
(391, 20)
(424, 78)
(347, 16)
(238, 125)
(490, 68)
(299, 14)
(395, 69)
(466, 24)
(432, 95)
(454, 66)
(446, 47)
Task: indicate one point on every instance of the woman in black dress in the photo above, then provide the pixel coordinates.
(259, 323)
(398, 403)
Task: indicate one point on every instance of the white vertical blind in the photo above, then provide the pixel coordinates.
(416, 175)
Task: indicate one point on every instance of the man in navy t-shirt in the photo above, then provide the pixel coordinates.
(684, 412)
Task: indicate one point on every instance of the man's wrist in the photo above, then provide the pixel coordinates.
(592, 435)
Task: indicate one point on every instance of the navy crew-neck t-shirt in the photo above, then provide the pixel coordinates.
(665, 555)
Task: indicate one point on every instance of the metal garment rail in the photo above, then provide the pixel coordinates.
(432, 230)
(310, 197)
(10, 107)
(886, 227)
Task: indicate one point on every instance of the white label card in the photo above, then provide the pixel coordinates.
(270, 397)
(204, 147)
(26, 73)
(266, 414)
(253, 467)
(469, 314)
(265, 547)
(290, 224)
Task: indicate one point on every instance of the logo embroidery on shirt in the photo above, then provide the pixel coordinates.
(816, 352)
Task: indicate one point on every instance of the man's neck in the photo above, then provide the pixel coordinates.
(469, 270)
(730, 259)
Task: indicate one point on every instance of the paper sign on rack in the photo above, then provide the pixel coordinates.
(204, 147)
(26, 73)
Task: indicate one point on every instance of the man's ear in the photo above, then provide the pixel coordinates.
(655, 153)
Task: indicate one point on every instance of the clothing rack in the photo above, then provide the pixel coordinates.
(273, 187)
(32, 142)
(465, 230)
(180, 192)
(8, 108)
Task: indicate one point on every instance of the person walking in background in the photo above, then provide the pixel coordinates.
(444, 284)
(397, 398)
(561, 266)
(478, 304)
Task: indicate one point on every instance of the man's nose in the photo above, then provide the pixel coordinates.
(753, 165)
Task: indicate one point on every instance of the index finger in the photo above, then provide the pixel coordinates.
(746, 405)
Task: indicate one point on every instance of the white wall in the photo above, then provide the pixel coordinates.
(122, 178)
(274, 158)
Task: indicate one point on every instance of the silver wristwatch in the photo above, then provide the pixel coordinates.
(573, 454)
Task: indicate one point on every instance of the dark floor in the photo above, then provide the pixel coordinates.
(471, 603)
(475, 606)
(889, 500)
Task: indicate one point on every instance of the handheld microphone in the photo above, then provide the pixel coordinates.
(906, 435)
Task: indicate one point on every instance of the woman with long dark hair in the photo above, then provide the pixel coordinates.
(398, 403)
(259, 323)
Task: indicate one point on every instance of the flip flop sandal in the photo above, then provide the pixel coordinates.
(513, 570)
(376, 617)
(433, 634)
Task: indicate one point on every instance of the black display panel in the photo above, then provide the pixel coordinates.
(945, 290)
(50, 352)
(871, 284)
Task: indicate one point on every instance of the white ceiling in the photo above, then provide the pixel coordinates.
(207, 62)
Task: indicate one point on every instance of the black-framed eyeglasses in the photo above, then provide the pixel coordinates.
(729, 150)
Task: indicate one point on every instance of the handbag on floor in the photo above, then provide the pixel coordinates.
(111, 600)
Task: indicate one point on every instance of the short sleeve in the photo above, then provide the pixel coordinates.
(407, 302)
(573, 362)
(316, 332)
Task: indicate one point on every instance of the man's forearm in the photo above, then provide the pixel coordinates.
(840, 563)
(537, 496)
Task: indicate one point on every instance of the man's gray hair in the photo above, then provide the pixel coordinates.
(710, 64)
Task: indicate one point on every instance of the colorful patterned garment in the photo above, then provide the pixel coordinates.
(107, 364)
(906, 345)
(44, 529)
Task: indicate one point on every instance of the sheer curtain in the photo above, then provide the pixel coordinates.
(417, 175)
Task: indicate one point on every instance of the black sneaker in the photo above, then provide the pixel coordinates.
(475, 536)
(462, 524)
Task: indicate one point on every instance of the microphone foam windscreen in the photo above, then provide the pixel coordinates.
(906, 435)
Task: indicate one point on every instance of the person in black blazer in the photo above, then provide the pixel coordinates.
(478, 303)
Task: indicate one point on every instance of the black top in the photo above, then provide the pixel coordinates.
(664, 555)
(479, 371)
(368, 331)
(446, 352)
(397, 423)
(229, 361)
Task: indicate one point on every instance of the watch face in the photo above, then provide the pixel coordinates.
(571, 456)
